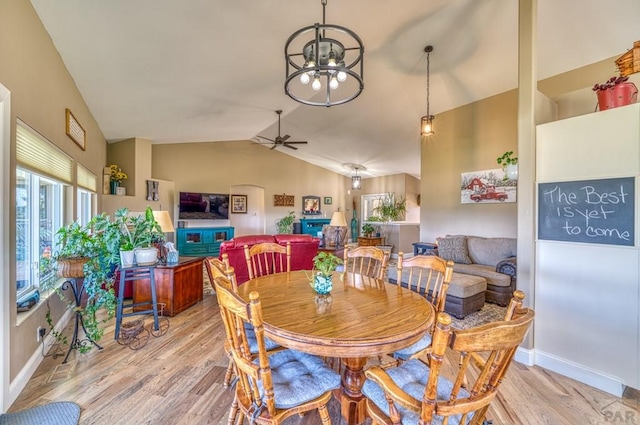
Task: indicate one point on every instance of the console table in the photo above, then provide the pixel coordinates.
(373, 241)
(178, 286)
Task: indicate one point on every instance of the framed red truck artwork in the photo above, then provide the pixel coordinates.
(487, 187)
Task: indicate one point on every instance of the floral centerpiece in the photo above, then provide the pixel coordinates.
(117, 175)
(614, 92)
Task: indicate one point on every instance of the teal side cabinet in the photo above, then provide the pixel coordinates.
(311, 226)
(202, 241)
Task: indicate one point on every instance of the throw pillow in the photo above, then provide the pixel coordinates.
(454, 248)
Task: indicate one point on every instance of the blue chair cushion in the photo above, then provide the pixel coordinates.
(420, 345)
(412, 377)
(253, 342)
(298, 378)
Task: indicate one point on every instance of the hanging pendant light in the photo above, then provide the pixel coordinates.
(426, 123)
(356, 181)
(332, 61)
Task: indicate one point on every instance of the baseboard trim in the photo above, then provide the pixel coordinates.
(22, 379)
(611, 384)
(525, 356)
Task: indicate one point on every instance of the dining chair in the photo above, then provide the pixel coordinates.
(428, 275)
(271, 387)
(415, 392)
(366, 260)
(267, 258)
(221, 268)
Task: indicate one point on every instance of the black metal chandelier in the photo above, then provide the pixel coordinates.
(332, 61)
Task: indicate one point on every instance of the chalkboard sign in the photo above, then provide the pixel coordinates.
(592, 211)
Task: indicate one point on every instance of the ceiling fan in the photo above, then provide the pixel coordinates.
(283, 140)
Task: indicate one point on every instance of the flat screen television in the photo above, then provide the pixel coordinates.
(203, 206)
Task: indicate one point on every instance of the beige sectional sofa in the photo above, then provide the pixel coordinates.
(484, 270)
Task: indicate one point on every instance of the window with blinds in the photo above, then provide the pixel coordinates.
(36, 153)
(86, 179)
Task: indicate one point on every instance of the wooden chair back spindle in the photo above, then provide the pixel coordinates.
(267, 258)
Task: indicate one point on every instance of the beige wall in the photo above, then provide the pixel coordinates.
(469, 138)
(215, 167)
(41, 89)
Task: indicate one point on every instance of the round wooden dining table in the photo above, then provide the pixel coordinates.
(361, 318)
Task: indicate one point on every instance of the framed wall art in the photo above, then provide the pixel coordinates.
(75, 131)
(283, 200)
(239, 204)
(328, 200)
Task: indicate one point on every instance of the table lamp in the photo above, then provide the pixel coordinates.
(338, 220)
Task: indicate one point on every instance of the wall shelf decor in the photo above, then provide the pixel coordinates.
(283, 200)
(75, 131)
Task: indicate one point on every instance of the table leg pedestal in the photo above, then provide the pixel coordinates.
(352, 401)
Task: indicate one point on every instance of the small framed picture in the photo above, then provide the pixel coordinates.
(239, 204)
(328, 200)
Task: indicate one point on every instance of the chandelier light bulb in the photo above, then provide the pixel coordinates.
(304, 78)
(333, 83)
(342, 76)
(316, 85)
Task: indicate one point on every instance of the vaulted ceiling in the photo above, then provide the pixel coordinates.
(195, 71)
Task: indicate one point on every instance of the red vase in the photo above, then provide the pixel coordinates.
(619, 95)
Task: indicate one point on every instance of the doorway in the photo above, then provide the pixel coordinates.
(253, 222)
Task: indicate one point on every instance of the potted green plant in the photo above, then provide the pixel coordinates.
(86, 256)
(285, 224)
(368, 229)
(388, 210)
(141, 232)
(509, 165)
(324, 264)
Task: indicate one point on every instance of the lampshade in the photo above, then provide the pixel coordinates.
(164, 220)
(426, 122)
(331, 59)
(338, 219)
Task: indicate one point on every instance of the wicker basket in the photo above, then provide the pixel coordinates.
(71, 267)
(131, 329)
(629, 63)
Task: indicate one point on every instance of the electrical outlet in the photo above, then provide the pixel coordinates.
(41, 333)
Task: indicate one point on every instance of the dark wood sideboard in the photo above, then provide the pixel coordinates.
(178, 286)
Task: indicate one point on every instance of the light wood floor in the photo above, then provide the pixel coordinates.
(177, 379)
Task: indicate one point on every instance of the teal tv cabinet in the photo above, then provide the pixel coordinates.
(202, 241)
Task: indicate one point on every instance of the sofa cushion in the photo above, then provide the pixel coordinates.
(241, 241)
(291, 238)
(464, 285)
(454, 248)
(490, 251)
(487, 272)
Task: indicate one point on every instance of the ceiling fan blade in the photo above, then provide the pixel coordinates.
(275, 145)
(266, 138)
(296, 142)
(284, 138)
(290, 147)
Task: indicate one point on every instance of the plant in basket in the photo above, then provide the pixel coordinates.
(615, 92)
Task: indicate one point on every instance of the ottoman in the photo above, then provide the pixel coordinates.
(465, 295)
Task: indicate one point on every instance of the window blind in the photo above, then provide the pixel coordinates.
(39, 155)
(86, 179)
